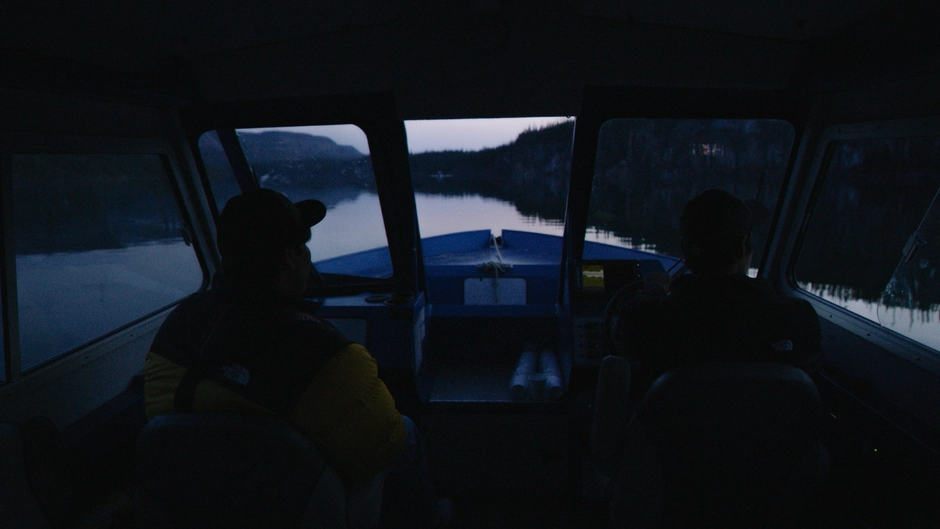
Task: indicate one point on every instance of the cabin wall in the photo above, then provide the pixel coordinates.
(71, 386)
(82, 381)
(896, 377)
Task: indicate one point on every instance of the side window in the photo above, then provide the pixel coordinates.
(330, 163)
(98, 242)
(872, 245)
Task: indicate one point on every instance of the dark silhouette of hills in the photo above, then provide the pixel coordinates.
(863, 221)
(646, 171)
(291, 162)
(276, 146)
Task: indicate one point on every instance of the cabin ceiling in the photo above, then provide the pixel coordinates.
(461, 58)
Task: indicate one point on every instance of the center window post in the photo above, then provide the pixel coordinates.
(388, 144)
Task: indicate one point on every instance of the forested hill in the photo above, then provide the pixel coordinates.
(292, 161)
(277, 146)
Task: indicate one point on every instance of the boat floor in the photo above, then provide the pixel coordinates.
(476, 384)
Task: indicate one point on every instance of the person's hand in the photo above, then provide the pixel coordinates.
(656, 283)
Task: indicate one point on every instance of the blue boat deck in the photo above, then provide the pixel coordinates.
(487, 299)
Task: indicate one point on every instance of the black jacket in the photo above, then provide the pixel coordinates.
(718, 319)
(266, 349)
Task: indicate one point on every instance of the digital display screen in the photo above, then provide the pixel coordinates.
(598, 276)
(592, 276)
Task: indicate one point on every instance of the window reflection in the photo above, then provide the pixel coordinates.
(99, 244)
(871, 245)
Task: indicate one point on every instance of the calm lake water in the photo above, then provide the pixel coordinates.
(437, 215)
(68, 299)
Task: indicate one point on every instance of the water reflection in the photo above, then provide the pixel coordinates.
(443, 214)
(353, 223)
(916, 323)
(68, 299)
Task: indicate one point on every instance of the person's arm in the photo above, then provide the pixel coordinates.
(349, 413)
(803, 323)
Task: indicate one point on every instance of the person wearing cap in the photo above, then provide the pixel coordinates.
(715, 313)
(252, 344)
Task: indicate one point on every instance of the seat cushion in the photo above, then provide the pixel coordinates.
(232, 470)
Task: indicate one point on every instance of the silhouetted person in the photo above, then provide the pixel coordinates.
(252, 344)
(715, 313)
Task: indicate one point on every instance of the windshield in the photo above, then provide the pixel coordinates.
(490, 174)
(648, 169)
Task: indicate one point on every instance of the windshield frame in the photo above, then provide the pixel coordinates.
(375, 115)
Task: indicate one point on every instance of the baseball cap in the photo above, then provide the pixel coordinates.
(262, 220)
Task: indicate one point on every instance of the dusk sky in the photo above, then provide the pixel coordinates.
(438, 135)
(469, 134)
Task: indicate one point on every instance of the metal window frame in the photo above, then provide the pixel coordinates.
(18, 381)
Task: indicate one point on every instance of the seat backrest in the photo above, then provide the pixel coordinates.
(725, 439)
(233, 470)
(611, 415)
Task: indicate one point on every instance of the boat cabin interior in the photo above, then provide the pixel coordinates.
(495, 172)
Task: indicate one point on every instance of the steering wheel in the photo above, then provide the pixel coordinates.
(609, 338)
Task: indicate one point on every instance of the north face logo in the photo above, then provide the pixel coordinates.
(782, 346)
(236, 373)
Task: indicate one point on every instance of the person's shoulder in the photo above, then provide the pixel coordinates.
(791, 307)
(315, 329)
(197, 301)
(191, 309)
(798, 307)
(763, 285)
(692, 290)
